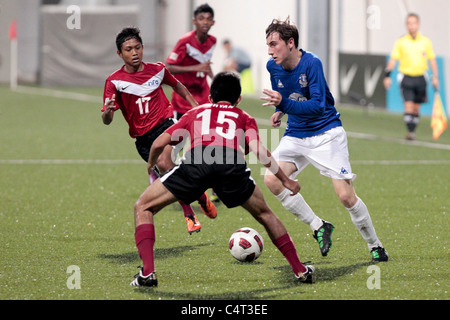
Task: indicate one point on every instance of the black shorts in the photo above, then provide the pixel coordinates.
(231, 181)
(144, 142)
(414, 89)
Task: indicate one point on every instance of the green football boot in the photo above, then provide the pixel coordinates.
(323, 237)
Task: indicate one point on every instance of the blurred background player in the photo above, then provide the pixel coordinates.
(226, 171)
(413, 51)
(239, 60)
(314, 135)
(190, 60)
(136, 89)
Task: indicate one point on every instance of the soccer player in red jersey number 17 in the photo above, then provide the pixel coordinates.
(136, 89)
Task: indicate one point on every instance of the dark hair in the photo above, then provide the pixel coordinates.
(127, 34)
(411, 14)
(204, 8)
(226, 86)
(285, 29)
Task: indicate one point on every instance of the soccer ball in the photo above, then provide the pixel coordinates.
(246, 244)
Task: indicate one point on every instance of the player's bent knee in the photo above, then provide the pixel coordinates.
(348, 199)
(273, 184)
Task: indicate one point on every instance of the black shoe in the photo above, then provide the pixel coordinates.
(308, 275)
(141, 281)
(323, 237)
(379, 254)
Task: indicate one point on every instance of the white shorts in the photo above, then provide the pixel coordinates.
(328, 152)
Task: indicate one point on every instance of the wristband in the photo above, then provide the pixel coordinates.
(387, 73)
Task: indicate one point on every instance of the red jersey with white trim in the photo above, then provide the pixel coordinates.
(216, 125)
(140, 97)
(187, 52)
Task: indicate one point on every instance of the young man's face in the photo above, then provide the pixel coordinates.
(412, 24)
(132, 52)
(203, 22)
(278, 49)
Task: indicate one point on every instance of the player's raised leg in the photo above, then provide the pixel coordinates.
(259, 209)
(208, 208)
(299, 208)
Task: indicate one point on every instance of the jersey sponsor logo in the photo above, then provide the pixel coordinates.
(140, 90)
(198, 55)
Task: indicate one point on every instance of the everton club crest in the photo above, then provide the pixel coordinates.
(303, 81)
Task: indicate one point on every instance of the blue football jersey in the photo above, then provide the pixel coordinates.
(307, 100)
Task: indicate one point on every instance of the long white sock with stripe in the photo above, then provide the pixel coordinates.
(299, 208)
(361, 219)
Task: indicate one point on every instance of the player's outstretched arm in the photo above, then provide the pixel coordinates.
(204, 67)
(185, 94)
(265, 157)
(108, 113)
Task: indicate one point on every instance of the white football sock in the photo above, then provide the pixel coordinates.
(361, 219)
(299, 208)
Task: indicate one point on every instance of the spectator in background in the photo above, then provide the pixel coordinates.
(413, 51)
(239, 61)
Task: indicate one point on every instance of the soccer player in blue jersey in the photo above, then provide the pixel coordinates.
(314, 134)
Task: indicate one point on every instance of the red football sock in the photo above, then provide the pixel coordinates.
(287, 248)
(144, 236)
(187, 209)
(203, 198)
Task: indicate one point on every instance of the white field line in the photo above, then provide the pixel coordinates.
(95, 99)
(59, 94)
(400, 162)
(367, 136)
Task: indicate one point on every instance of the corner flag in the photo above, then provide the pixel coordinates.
(438, 117)
(13, 30)
(14, 55)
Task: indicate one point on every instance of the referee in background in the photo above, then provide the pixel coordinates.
(413, 52)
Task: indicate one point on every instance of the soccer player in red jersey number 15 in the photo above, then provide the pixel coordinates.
(220, 133)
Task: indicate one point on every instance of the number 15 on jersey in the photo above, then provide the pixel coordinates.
(223, 117)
